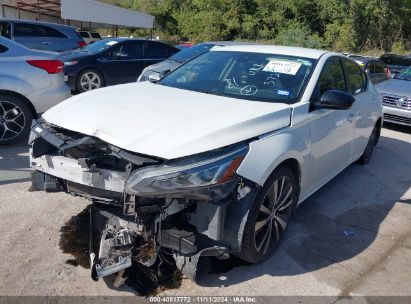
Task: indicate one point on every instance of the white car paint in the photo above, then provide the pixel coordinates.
(172, 123)
(184, 123)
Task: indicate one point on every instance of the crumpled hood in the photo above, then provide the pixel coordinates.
(166, 122)
(395, 87)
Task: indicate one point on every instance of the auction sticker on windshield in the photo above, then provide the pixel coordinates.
(282, 67)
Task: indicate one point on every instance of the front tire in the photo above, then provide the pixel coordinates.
(89, 80)
(15, 120)
(269, 216)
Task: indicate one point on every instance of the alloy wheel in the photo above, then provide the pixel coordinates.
(273, 214)
(90, 81)
(12, 121)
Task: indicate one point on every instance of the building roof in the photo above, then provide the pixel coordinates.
(83, 10)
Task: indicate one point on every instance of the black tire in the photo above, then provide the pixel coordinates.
(252, 238)
(97, 83)
(369, 149)
(15, 120)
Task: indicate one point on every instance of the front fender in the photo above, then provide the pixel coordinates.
(267, 153)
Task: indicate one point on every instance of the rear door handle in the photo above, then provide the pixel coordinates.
(46, 42)
(351, 117)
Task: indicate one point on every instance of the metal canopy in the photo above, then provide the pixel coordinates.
(82, 10)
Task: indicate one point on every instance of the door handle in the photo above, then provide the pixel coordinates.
(351, 117)
(46, 43)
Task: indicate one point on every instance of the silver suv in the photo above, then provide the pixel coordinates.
(42, 35)
(31, 82)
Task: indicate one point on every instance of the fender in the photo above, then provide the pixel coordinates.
(15, 85)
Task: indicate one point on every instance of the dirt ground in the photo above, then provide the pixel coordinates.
(353, 237)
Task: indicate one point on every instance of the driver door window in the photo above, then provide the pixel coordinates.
(332, 78)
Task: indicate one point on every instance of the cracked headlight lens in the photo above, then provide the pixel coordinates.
(206, 177)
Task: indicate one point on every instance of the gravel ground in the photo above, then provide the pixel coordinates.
(353, 237)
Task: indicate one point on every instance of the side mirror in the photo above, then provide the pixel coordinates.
(335, 100)
(154, 77)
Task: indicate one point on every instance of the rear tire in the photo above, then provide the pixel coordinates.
(89, 80)
(15, 120)
(269, 215)
(369, 149)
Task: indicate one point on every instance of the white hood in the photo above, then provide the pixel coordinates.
(166, 122)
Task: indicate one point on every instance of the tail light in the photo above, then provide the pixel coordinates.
(82, 44)
(51, 66)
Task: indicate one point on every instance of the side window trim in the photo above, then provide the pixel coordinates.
(347, 82)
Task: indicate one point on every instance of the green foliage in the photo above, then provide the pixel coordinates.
(343, 25)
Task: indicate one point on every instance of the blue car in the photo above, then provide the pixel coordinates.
(42, 35)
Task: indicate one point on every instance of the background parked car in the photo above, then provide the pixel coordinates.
(396, 63)
(397, 98)
(31, 82)
(112, 61)
(90, 37)
(376, 69)
(161, 69)
(42, 35)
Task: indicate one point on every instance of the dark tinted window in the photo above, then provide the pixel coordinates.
(354, 77)
(129, 49)
(157, 50)
(379, 67)
(396, 60)
(96, 35)
(28, 30)
(5, 29)
(3, 49)
(190, 53)
(52, 32)
(84, 34)
(332, 78)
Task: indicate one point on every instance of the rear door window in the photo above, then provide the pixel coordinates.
(52, 32)
(379, 67)
(29, 30)
(157, 50)
(5, 29)
(96, 35)
(84, 34)
(355, 78)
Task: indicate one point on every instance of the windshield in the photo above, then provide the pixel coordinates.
(404, 75)
(100, 46)
(252, 76)
(190, 53)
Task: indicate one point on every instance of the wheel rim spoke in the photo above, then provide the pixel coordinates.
(273, 214)
(280, 221)
(259, 225)
(265, 210)
(285, 201)
(12, 120)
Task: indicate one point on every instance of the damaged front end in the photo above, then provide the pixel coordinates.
(146, 208)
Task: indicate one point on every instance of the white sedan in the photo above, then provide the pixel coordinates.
(213, 159)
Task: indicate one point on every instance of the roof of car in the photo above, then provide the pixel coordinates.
(275, 49)
(35, 22)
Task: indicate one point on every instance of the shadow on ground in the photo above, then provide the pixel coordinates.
(336, 224)
(14, 164)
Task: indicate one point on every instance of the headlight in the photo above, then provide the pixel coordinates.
(208, 178)
(70, 63)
